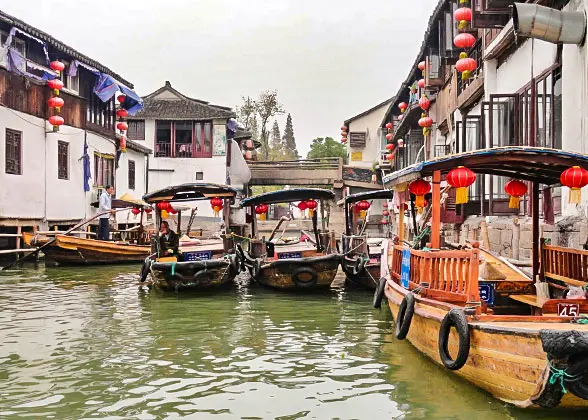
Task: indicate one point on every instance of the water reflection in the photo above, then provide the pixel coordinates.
(91, 343)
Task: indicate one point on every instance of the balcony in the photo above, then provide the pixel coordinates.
(491, 13)
(163, 150)
(468, 91)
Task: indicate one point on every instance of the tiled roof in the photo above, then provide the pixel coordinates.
(138, 147)
(180, 107)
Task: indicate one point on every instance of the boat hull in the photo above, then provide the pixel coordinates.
(506, 358)
(194, 275)
(366, 278)
(309, 273)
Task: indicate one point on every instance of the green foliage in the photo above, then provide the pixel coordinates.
(326, 148)
(289, 142)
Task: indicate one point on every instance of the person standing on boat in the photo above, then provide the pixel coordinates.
(169, 242)
(105, 207)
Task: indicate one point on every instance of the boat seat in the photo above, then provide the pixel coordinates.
(567, 280)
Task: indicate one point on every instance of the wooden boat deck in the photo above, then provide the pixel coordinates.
(510, 273)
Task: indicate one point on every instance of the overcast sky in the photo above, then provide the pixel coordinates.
(328, 59)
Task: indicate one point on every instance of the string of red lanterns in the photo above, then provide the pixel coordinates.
(344, 134)
(463, 16)
(389, 145)
(425, 122)
(122, 126)
(55, 101)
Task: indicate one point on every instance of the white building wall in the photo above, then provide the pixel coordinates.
(369, 123)
(122, 182)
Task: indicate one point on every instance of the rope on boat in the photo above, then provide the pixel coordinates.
(562, 376)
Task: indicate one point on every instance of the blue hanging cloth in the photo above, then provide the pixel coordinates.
(86, 163)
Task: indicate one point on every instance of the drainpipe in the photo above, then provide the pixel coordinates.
(551, 25)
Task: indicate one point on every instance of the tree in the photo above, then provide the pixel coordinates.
(246, 113)
(276, 141)
(326, 148)
(267, 106)
(289, 142)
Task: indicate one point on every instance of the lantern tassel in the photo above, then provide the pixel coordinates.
(311, 212)
(262, 216)
(362, 214)
(514, 202)
(461, 195)
(575, 195)
(420, 201)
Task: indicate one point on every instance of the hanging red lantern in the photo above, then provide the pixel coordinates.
(135, 211)
(123, 144)
(57, 66)
(56, 102)
(385, 213)
(122, 113)
(463, 16)
(419, 188)
(217, 205)
(402, 106)
(148, 210)
(422, 65)
(302, 206)
(343, 140)
(466, 66)
(56, 85)
(389, 136)
(363, 207)
(164, 205)
(425, 122)
(122, 126)
(384, 221)
(461, 178)
(173, 211)
(421, 83)
(344, 128)
(385, 205)
(389, 126)
(390, 147)
(311, 205)
(390, 157)
(424, 103)
(575, 178)
(261, 210)
(121, 98)
(516, 189)
(56, 121)
(464, 40)
(343, 133)
(248, 155)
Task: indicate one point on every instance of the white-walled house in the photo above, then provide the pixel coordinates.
(42, 180)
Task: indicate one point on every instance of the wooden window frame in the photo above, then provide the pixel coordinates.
(62, 160)
(98, 176)
(136, 130)
(16, 160)
(199, 136)
(131, 174)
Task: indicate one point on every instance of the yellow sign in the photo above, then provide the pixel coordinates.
(356, 156)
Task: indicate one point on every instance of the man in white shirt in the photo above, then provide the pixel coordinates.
(105, 206)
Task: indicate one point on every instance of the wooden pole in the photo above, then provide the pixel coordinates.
(516, 238)
(436, 217)
(401, 223)
(141, 226)
(413, 214)
(535, 227)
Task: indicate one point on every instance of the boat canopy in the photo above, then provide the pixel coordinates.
(126, 200)
(190, 192)
(288, 196)
(534, 164)
(370, 195)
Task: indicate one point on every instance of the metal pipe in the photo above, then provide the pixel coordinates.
(547, 24)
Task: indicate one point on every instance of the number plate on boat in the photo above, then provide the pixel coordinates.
(568, 309)
(287, 255)
(375, 258)
(196, 256)
(487, 293)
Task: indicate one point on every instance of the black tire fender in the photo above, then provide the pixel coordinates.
(359, 265)
(578, 387)
(301, 274)
(241, 255)
(379, 293)
(145, 268)
(234, 263)
(454, 318)
(404, 317)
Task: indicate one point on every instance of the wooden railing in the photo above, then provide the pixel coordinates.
(565, 264)
(450, 276)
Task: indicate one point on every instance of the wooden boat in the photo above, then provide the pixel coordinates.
(521, 341)
(71, 250)
(362, 254)
(292, 265)
(202, 264)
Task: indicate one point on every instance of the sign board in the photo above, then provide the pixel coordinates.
(357, 139)
(375, 258)
(197, 256)
(405, 269)
(568, 309)
(487, 293)
(288, 255)
(356, 156)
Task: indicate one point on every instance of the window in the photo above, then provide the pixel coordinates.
(103, 169)
(136, 130)
(18, 44)
(62, 160)
(13, 163)
(183, 139)
(199, 176)
(71, 83)
(131, 174)
(163, 139)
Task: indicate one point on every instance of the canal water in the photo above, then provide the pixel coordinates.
(91, 344)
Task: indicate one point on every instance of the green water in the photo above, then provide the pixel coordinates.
(90, 343)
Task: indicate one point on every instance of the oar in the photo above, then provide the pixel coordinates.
(49, 242)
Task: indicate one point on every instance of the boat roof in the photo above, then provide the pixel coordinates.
(288, 196)
(125, 201)
(370, 195)
(534, 164)
(190, 192)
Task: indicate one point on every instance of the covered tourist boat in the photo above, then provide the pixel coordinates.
(132, 246)
(292, 263)
(482, 318)
(362, 251)
(200, 263)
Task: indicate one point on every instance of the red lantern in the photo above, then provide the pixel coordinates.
(426, 122)
(217, 205)
(344, 128)
(422, 65)
(389, 126)
(123, 144)
(385, 213)
(56, 121)
(122, 113)
(261, 210)
(463, 14)
(461, 178)
(464, 40)
(343, 133)
(404, 206)
(173, 211)
(56, 85)
(402, 106)
(421, 83)
(419, 188)
(516, 189)
(148, 210)
(121, 98)
(466, 64)
(248, 155)
(574, 178)
(164, 205)
(363, 207)
(122, 126)
(384, 221)
(390, 147)
(343, 140)
(389, 136)
(311, 205)
(390, 157)
(57, 66)
(56, 102)
(135, 211)
(302, 206)
(385, 205)
(424, 103)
